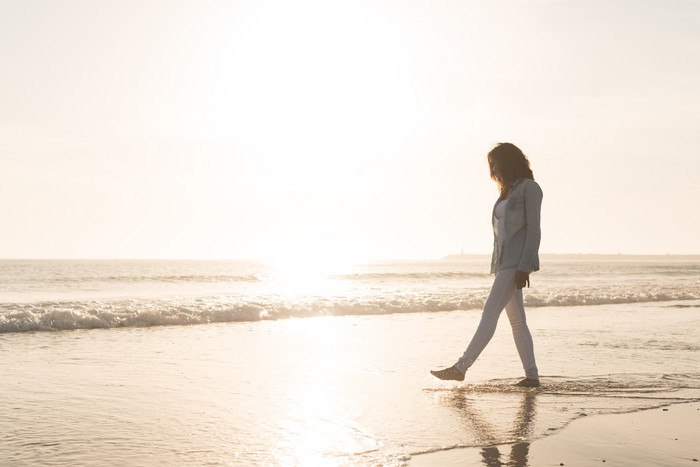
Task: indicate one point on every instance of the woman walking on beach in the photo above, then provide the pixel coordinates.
(516, 228)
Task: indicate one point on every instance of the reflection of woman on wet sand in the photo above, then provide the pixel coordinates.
(516, 225)
(485, 432)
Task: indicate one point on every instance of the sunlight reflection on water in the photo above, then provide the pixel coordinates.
(327, 390)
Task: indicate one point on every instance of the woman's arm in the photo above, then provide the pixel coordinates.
(532, 195)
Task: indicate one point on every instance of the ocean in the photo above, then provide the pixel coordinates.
(174, 362)
(74, 294)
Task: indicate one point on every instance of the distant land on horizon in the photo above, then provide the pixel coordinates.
(589, 256)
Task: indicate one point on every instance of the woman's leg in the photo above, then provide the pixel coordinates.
(515, 309)
(501, 293)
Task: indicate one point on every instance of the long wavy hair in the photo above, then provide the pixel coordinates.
(512, 165)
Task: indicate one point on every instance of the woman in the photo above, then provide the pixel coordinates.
(516, 227)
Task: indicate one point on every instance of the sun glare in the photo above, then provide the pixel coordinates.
(319, 427)
(322, 76)
(308, 270)
(318, 432)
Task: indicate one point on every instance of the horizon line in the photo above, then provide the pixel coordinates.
(448, 256)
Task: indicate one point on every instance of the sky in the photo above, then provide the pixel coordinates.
(346, 129)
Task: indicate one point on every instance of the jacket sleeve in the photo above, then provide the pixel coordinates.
(533, 203)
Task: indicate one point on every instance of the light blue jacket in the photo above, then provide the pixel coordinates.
(522, 221)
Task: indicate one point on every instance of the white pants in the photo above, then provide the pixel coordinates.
(503, 294)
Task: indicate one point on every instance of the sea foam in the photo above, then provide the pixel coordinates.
(89, 314)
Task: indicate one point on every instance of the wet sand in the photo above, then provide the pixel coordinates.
(662, 436)
(355, 390)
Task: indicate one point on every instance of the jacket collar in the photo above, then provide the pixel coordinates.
(512, 186)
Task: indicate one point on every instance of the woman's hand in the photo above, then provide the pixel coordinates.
(522, 279)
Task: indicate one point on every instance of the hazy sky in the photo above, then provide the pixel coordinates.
(248, 129)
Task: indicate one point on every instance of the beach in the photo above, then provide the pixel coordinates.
(661, 437)
(244, 233)
(350, 389)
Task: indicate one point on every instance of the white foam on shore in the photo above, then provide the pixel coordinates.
(91, 314)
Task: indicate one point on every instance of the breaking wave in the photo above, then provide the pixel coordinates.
(143, 312)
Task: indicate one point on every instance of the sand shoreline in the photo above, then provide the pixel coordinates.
(660, 436)
(345, 390)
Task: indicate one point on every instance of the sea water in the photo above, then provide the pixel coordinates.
(60, 295)
(100, 363)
